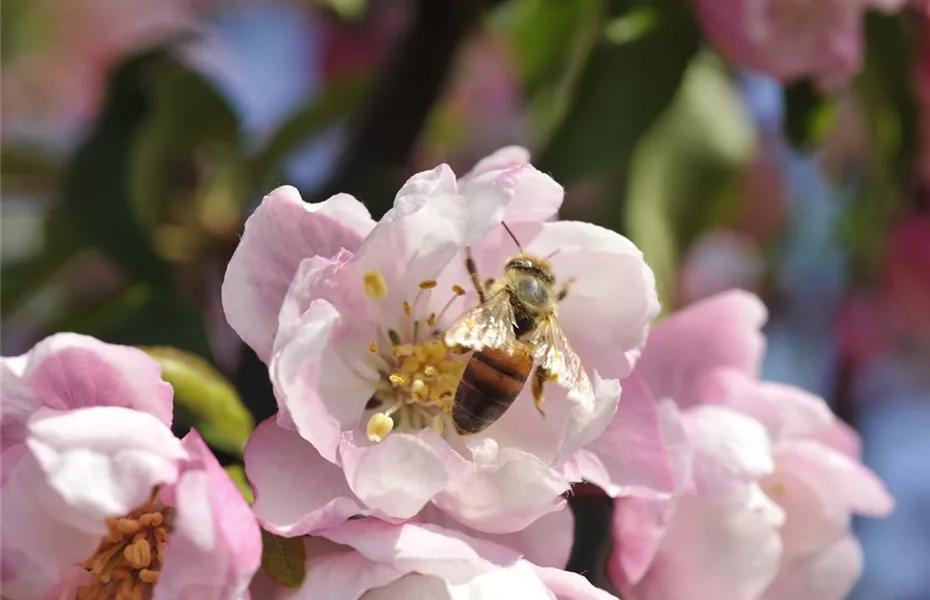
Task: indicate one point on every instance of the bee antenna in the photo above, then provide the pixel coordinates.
(513, 237)
(553, 253)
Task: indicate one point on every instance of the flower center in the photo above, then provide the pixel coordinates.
(419, 375)
(127, 562)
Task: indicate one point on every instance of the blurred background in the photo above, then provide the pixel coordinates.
(137, 136)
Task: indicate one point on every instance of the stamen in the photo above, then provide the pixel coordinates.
(394, 337)
(431, 319)
(373, 347)
(379, 426)
(396, 379)
(459, 290)
(428, 284)
(430, 371)
(407, 309)
(375, 285)
(437, 424)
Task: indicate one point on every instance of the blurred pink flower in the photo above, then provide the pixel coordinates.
(791, 39)
(767, 487)
(56, 77)
(336, 303)
(718, 261)
(377, 560)
(98, 494)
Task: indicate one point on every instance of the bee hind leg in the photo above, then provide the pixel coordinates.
(540, 377)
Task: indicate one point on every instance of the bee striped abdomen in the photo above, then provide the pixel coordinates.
(491, 382)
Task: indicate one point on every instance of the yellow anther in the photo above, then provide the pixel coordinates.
(128, 526)
(379, 426)
(418, 388)
(372, 347)
(402, 350)
(375, 285)
(437, 424)
(459, 290)
(407, 309)
(431, 319)
(428, 284)
(396, 379)
(148, 575)
(430, 371)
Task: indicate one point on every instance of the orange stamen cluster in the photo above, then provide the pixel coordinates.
(127, 563)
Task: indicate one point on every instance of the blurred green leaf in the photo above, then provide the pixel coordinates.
(96, 185)
(283, 559)
(23, 279)
(336, 101)
(189, 134)
(347, 9)
(237, 475)
(885, 93)
(622, 90)
(28, 170)
(209, 399)
(683, 174)
(809, 116)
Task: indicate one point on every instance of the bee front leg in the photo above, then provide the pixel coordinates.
(540, 377)
(475, 277)
(563, 292)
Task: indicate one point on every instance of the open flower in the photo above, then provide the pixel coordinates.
(768, 488)
(100, 500)
(791, 39)
(371, 559)
(349, 316)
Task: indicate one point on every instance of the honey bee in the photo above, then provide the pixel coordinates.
(514, 325)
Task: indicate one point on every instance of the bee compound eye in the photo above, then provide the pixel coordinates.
(532, 291)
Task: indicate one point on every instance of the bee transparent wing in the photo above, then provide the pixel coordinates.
(555, 354)
(488, 325)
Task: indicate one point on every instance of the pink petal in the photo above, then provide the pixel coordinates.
(501, 492)
(499, 160)
(638, 528)
(316, 390)
(786, 411)
(38, 551)
(606, 319)
(280, 233)
(425, 549)
(842, 438)
(344, 576)
(297, 491)
(570, 586)
(630, 458)
(721, 331)
(730, 451)
(844, 481)
(215, 546)
(827, 575)
(104, 461)
(67, 370)
(397, 476)
(547, 541)
(716, 550)
(680, 449)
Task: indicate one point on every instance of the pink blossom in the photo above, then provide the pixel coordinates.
(768, 478)
(791, 39)
(323, 293)
(98, 494)
(377, 560)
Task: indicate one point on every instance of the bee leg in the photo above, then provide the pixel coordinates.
(540, 377)
(475, 277)
(563, 292)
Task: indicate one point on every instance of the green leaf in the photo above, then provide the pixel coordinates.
(338, 100)
(95, 184)
(809, 116)
(283, 559)
(625, 85)
(28, 170)
(207, 397)
(237, 475)
(189, 135)
(685, 171)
